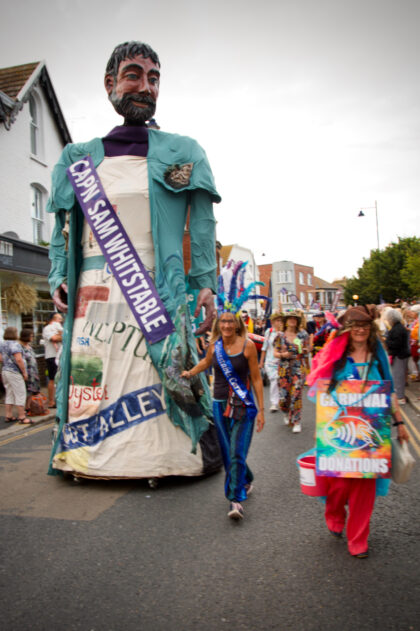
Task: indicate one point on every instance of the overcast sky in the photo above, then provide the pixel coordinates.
(308, 110)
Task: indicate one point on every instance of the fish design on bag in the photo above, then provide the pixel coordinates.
(350, 433)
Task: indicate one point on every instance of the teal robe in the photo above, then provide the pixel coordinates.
(168, 208)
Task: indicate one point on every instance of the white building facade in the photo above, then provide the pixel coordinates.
(33, 133)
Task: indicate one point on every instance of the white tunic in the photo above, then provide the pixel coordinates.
(115, 394)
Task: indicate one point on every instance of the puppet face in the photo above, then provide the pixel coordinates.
(135, 89)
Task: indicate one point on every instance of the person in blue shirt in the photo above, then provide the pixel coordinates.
(14, 374)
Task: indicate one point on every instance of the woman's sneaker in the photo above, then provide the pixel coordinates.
(297, 428)
(236, 511)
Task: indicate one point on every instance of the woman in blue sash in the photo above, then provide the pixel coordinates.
(235, 362)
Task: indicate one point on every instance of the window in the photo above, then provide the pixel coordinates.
(301, 278)
(310, 298)
(309, 279)
(302, 297)
(284, 276)
(34, 125)
(284, 299)
(37, 214)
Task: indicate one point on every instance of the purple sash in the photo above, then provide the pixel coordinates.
(125, 264)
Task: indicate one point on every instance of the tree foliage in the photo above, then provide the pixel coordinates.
(411, 273)
(389, 274)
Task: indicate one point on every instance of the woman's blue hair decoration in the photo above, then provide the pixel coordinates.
(231, 290)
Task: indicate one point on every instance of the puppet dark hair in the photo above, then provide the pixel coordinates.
(128, 50)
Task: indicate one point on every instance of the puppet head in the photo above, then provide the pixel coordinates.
(132, 81)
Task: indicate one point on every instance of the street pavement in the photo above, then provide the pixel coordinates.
(111, 556)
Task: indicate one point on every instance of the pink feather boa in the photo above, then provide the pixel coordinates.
(323, 362)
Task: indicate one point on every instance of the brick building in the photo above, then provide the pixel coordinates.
(265, 277)
(288, 278)
(304, 284)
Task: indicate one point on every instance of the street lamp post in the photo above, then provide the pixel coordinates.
(362, 214)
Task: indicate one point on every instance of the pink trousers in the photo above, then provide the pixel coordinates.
(359, 494)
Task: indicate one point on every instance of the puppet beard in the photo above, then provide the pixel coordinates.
(131, 112)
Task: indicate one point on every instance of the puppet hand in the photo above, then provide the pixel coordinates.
(205, 299)
(60, 298)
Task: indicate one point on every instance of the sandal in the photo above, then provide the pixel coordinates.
(335, 533)
(10, 419)
(26, 421)
(362, 555)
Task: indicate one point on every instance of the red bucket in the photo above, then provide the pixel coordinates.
(310, 483)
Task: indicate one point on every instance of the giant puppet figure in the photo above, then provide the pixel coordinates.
(120, 206)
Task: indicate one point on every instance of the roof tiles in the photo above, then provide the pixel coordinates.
(13, 79)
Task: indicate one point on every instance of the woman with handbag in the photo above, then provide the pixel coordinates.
(14, 374)
(355, 353)
(235, 363)
(32, 383)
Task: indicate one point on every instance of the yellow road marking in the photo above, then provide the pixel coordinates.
(21, 435)
(413, 432)
(411, 424)
(413, 443)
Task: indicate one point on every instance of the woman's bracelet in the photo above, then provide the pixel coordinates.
(398, 423)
